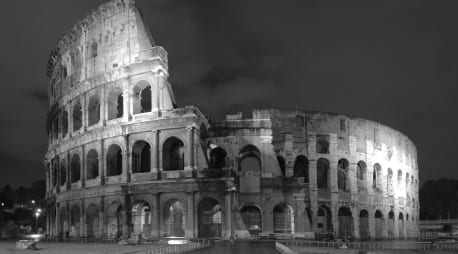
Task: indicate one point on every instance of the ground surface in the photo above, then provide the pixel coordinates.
(7, 247)
(240, 247)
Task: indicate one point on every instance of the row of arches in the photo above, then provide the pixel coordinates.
(173, 159)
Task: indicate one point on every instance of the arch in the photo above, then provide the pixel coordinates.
(364, 224)
(64, 122)
(63, 172)
(252, 218)
(209, 218)
(141, 218)
(75, 220)
(379, 224)
(391, 224)
(301, 168)
(115, 220)
(55, 170)
(399, 176)
(324, 219)
(114, 160)
(401, 225)
(342, 179)
(92, 221)
(322, 168)
(249, 160)
(283, 219)
(173, 154)
(142, 97)
(63, 220)
(93, 110)
(174, 218)
(218, 158)
(77, 115)
(75, 168)
(92, 164)
(322, 144)
(345, 222)
(376, 176)
(141, 157)
(115, 104)
(282, 165)
(93, 49)
(389, 182)
(361, 169)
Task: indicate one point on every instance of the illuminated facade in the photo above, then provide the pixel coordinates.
(124, 160)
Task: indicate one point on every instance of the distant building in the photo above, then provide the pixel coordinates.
(124, 160)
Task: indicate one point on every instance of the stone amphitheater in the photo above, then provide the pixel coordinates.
(124, 160)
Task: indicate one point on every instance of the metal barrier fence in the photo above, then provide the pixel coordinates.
(178, 248)
(375, 245)
(77, 239)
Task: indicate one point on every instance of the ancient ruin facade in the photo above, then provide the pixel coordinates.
(124, 160)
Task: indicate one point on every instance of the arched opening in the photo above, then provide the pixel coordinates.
(251, 216)
(376, 177)
(345, 222)
(364, 224)
(115, 104)
(399, 176)
(283, 219)
(391, 224)
(342, 172)
(94, 110)
(141, 157)
(322, 173)
(322, 143)
(75, 221)
(401, 226)
(379, 224)
(389, 182)
(75, 168)
(63, 172)
(210, 218)
(114, 160)
(174, 218)
(250, 160)
(64, 122)
(116, 219)
(324, 220)
(142, 97)
(218, 158)
(141, 219)
(173, 154)
(63, 223)
(92, 166)
(55, 169)
(77, 116)
(281, 163)
(301, 168)
(92, 221)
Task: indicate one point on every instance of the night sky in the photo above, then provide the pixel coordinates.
(394, 62)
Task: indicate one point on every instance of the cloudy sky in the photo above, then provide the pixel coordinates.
(390, 61)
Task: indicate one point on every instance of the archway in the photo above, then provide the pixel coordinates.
(77, 115)
(75, 168)
(92, 221)
(94, 110)
(141, 157)
(115, 104)
(209, 218)
(401, 226)
(250, 160)
(282, 164)
(324, 220)
(379, 224)
(218, 158)
(92, 166)
(364, 224)
(63, 172)
(173, 154)
(251, 216)
(142, 97)
(114, 160)
(376, 177)
(322, 173)
(75, 221)
(116, 219)
(141, 219)
(63, 223)
(283, 219)
(174, 218)
(345, 222)
(342, 172)
(301, 168)
(391, 224)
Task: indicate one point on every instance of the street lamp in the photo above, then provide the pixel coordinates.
(37, 214)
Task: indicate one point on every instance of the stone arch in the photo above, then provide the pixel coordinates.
(114, 160)
(92, 221)
(93, 110)
(283, 219)
(63, 172)
(92, 164)
(401, 225)
(379, 224)
(75, 220)
(345, 222)
(209, 218)
(391, 224)
(361, 175)
(142, 97)
(218, 158)
(324, 219)
(173, 154)
(364, 224)
(115, 219)
(301, 168)
(399, 176)
(141, 218)
(115, 104)
(174, 218)
(342, 175)
(141, 157)
(249, 160)
(75, 168)
(252, 218)
(322, 168)
(77, 115)
(376, 176)
(282, 164)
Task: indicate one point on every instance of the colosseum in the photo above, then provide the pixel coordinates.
(124, 160)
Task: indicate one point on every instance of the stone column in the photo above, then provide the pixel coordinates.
(58, 175)
(300, 214)
(125, 160)
(102, 222)
(189, 167)
(57, 224)
(155, 171)
(83, 167)
(228, 214)
(155, 93)
(47, 179)
(103, 108)
(68, 180)
(70, 119)
(82, 219)
(84, 109)
(189, 231)
(126, 96)
(156, 211)
(355, 215)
